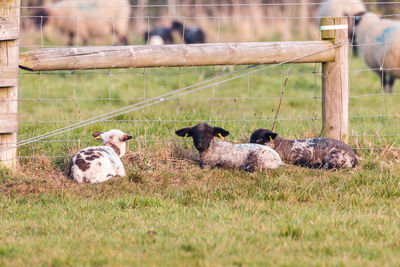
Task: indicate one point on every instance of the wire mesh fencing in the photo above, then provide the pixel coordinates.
(237, 98)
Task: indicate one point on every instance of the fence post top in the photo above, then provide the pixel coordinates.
(332, 27)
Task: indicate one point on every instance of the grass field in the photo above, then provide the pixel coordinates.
(168, 210)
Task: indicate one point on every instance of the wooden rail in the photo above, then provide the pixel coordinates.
(176, 55)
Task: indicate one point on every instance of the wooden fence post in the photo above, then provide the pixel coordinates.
(335, 81)
(9, 58)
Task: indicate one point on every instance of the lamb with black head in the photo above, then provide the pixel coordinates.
(218, 153)
(319, 153)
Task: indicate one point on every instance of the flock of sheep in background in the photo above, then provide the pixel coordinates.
(86, 20)
(375, 38)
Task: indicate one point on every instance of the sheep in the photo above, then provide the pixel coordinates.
(379, 41)
(193, 35)
(342, 8)
(87, 19)
(247, 157)
(159, 36)
(97, 164)
(318, 153)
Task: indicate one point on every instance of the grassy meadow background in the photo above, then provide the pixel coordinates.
(168, 211)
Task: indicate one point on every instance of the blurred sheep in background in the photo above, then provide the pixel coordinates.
(87, 20)
(379, 41)
(165, 35)
(342, 8)
(194, 35)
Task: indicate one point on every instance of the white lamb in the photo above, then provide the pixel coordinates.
(248, 157)
(100, 163)
(87, 19)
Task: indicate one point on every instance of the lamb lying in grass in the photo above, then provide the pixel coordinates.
(213, 153)
(324, 153)
(97, 164)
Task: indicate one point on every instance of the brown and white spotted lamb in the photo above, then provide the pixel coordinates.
(97, 164)
(318, 153)
(213, 153)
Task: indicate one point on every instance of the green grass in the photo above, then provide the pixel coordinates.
(168, 211)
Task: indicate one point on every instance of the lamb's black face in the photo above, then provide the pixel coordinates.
(262, 136)
(176, 25)
(352, 22)
(202, 135)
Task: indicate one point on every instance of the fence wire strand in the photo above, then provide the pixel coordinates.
(213, 78)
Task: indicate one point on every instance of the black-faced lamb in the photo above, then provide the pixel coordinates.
(319, 153)
(97, 164)
(87, 19)
(380, 46)
(342, 8)
(216, 153)
(159, 36)
(194, 35)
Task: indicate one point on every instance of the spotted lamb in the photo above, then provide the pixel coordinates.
(213, 153)
(97, 164)
(319, 153)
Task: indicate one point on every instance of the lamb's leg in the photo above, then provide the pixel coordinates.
(102, 179)
(205, 166)
(70, 39)
(251, 163)
(337, 159)
(383, 80)
(123, 40)
(391, 83)
(119, 169)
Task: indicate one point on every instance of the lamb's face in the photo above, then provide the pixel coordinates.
(263, 137)
(352, 22)
(115, 137)
(202, 135)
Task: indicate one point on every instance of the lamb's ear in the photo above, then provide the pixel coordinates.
(184, 132)
(97, 134)
(270, 135)
(218, 131)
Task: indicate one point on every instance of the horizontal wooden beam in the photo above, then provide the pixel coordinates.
(9, 28)
(8, 123)
(97, 57)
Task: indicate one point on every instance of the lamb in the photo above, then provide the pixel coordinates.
(100, 163)
(247, 157)
(87, 19)
(342, 8)
(379, 41)
(193, 35)
(159, 36)
(318, 153)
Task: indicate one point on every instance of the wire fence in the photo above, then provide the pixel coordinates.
(238, 98)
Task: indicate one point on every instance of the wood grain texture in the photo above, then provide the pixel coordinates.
(176, 55)
(8, 77)
(9, 28)
(9, 58)
(8, 122)
(335, 84)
